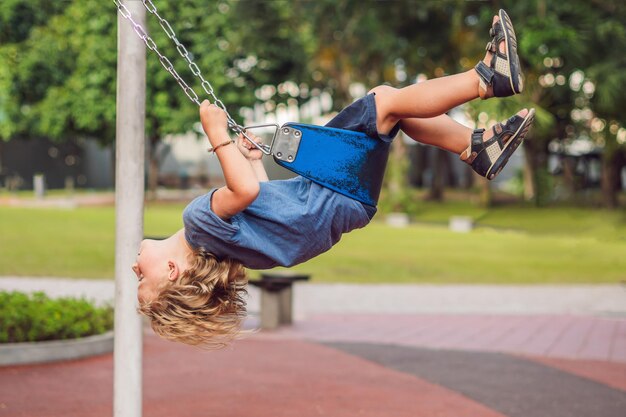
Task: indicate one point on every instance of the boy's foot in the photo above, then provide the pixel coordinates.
(500, 73)
(489, 151)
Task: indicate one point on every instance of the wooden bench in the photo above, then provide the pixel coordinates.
(277, 297)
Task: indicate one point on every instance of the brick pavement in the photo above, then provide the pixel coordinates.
(256, 378)
(268, 375)
(551, 336)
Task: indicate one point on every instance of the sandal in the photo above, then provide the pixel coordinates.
(504, 74)
(488, 157)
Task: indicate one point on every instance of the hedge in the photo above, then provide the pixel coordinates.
(36, 317)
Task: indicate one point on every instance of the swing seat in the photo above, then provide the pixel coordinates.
(348, 162)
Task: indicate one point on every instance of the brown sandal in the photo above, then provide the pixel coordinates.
(488, 157)
(504, 74)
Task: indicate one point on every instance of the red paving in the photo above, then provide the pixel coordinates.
(254, 377)
(279, 373)
(573, 337)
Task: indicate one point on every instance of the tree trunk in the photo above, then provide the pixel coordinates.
(437, 184)
(570, 181)
(469, 178)
(529, 175)
(418, 162)
(485, 196)
(612, 164)
(451, 179)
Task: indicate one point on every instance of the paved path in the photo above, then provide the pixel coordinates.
(551, 336)
(316, 298)
(366, 351)
(264, 377)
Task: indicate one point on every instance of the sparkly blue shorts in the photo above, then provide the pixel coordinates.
(360, 116)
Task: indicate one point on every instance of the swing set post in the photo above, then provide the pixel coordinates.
(129, 197)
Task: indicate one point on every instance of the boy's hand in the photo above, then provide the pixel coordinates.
(251, 152)
(214, 121)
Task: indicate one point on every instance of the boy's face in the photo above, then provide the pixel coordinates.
(151, 268)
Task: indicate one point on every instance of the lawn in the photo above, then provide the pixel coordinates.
(510, 245)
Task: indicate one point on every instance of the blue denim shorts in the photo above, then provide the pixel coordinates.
(360, 116)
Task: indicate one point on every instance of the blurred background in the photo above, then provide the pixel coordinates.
(555, 215)
(519, 305)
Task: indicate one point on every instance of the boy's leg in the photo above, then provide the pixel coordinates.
(420, 108)
(427, 99)
(444, 132)
(433, 97)
(441, 131)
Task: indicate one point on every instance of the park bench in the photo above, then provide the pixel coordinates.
(277, 297)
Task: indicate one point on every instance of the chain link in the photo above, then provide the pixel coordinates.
(167, 64)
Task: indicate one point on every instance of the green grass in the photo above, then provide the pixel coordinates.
(561, 221)
(72, 243)
(432, 254)
(512, 245)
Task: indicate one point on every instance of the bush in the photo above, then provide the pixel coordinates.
(36, 317)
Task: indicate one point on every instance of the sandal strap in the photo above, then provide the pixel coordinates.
(499, 68)
(477, 140)
(496, 29)
(500, 130)
(485, 74)
(497, 35)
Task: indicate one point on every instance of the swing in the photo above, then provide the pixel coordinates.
(348, 162)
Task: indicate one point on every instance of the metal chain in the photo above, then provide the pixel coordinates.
(167, 64)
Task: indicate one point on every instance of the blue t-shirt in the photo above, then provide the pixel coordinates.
(291, 221)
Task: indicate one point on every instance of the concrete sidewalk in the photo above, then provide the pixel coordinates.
(312, 298)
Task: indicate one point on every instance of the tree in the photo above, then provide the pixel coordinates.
(607, 34)
(59, 77)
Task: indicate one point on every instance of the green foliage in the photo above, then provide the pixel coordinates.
(58, 60)
(62, 65)
(58, 77)
(18, 17)
(36, 317)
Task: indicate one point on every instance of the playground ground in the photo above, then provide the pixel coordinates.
(567, 358)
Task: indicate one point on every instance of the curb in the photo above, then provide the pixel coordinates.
(55, 350)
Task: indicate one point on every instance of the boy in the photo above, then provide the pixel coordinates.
(192, 285)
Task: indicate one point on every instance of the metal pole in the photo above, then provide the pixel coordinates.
(129, 197)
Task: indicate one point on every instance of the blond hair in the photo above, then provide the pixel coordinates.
(205, 306)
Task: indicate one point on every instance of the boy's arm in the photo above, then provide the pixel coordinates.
(242, 186)
(259, 170)
(253, 155)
